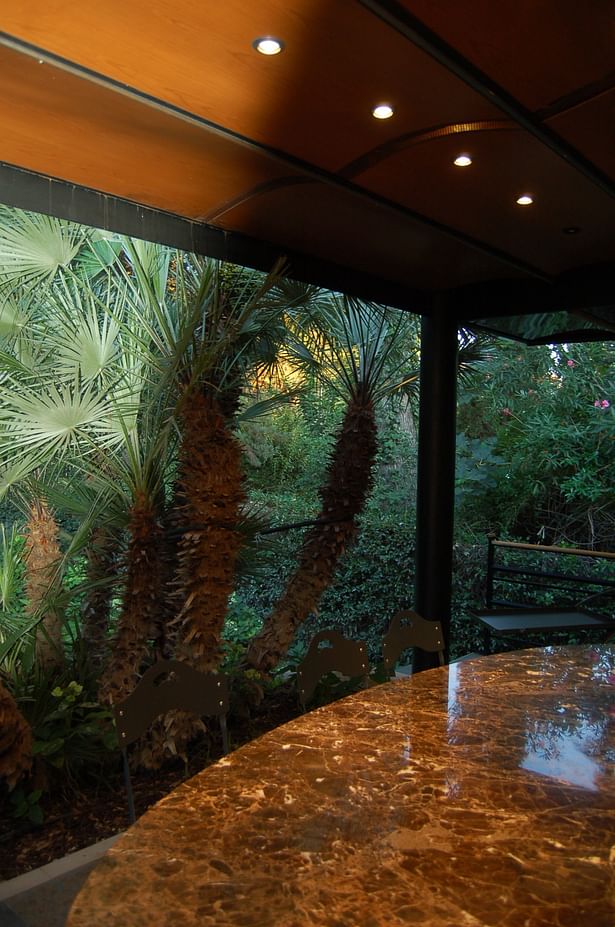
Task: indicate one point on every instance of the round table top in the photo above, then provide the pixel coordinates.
(479, 794)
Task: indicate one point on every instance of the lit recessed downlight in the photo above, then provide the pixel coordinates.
(382, 111)
(463, 160)
(267, 45)
(526, 199)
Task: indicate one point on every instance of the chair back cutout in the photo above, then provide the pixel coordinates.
(330, 651)
(169, 684)
(415, 631)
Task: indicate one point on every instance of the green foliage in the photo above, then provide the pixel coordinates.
(374, 579)
(549, 421)
(11, 580)
(68, 735)
(478, 466)
(287, 450)
(74, 737)
(26, 805)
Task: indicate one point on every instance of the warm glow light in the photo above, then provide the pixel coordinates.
(382, 111)
(525, 200)
(463, 160)
(267, 45)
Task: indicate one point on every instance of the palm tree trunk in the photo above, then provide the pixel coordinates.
(349, 479)
(211, 479)
(211, 487)
(165, 628)
(95, 611)
(141, 603)
(15, 740)
(42, 556)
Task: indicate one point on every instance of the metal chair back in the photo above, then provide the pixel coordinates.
(329, 652)
(168, 685)
(409, 629)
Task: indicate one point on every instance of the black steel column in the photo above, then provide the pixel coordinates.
(436, 474)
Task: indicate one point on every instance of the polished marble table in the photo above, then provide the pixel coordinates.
(474, 795)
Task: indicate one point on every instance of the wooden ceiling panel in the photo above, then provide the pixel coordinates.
(480, 200)
(314, 100)
(56, 124)
(166, 104)
(360, 236)
(539, 51)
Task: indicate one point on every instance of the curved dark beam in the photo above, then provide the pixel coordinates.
(368, 160)
(309, 170)
(397, 17)
(393, 146)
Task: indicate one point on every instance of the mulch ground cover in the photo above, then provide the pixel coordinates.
(76, 819)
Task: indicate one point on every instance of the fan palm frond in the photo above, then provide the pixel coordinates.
(33, 246)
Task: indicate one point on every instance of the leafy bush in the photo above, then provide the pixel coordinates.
(11, 581)
(74, 737)
(552, 416)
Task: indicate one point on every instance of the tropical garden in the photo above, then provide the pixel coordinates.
(203, 462)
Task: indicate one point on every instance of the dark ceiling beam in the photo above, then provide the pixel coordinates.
(579, 290)
(39, 193)
(569, 336)
(587, 294)
(289, 162)
(398, 18)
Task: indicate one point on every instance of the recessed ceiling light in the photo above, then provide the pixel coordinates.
(463, 160)
(268, 45)
(526, 199)
(571, 230)
(382, 111)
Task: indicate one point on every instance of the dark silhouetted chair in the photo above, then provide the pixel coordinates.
(168, 685)
(330, 652)
(409, 629)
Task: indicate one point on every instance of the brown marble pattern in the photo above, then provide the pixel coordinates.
(476, 795)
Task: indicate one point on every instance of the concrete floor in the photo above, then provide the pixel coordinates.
(42, 898)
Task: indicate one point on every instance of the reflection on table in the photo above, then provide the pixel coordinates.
(476, 794)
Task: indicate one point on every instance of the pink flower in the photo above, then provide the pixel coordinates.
(570, 363)
(602, 404)
(506, 411)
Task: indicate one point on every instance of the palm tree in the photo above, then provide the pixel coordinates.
(42, 558)
(43, 412)
(355, 345)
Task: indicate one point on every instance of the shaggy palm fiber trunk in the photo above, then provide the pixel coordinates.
(96, 606)
(212, 487)
(15, 740)
(141, 603)
(349, 479)
(42, 556)
(165, 628)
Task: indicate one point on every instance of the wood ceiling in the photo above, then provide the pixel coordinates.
(165, 104)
